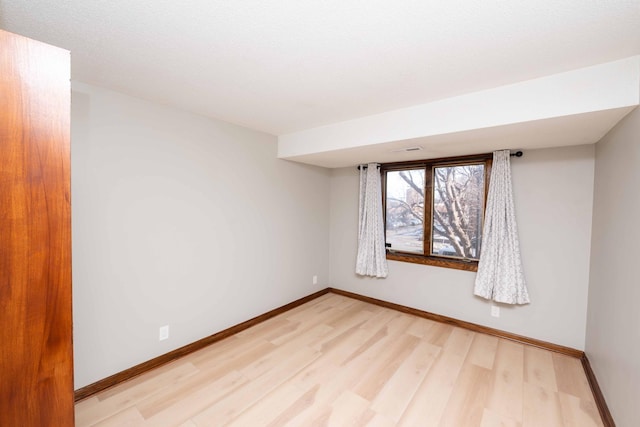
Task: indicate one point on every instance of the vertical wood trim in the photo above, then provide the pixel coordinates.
(605, 414)
(427, 210)
(36, 363)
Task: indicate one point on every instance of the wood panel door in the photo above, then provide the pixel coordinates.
(36, 366)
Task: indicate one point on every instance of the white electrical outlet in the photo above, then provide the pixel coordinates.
(164, 333)
(495, 311)
(315, 280)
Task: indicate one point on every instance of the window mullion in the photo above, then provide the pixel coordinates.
(428, 206)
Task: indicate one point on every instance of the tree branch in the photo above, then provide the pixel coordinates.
(409, 180)
(408, 207)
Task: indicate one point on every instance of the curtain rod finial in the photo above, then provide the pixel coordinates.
(366, 166)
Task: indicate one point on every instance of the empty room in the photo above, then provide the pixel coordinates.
(319, 213)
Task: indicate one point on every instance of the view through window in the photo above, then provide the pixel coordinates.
(458, 205)
(434, 210)
(405, 210)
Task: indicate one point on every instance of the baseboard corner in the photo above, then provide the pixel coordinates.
(603, 408)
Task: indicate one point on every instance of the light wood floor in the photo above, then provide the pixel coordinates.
(342, 362)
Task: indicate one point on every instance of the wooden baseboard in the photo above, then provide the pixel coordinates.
(137, 370)
(607, 419)
(466, 325)
(127, 374)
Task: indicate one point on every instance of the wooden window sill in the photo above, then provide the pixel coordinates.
(434, 261)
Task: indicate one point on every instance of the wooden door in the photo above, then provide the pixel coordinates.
(36, 366)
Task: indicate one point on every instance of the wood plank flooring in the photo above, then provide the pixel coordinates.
(337, 361)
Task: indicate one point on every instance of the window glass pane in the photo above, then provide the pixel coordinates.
(405, 210)
(458, 205)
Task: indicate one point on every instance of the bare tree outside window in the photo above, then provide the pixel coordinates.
(458, 201)
(455, 207)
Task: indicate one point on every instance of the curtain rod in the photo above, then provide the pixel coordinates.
(518, 153)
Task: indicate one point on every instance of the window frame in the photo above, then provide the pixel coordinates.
(429, 165)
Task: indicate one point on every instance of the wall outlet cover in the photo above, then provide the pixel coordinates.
(164, 333)
(495, 311)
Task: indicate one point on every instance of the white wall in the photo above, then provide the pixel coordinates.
(553, 196)
(181, 220)
(613, 324)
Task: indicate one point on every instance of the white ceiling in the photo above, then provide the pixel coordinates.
(288, 65)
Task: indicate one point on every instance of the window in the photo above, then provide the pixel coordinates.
(434, 210)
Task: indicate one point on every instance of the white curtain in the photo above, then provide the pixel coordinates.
(500, 276)
(372, 259)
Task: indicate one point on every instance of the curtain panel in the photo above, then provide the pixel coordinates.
(500, 275)
(372, 258)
